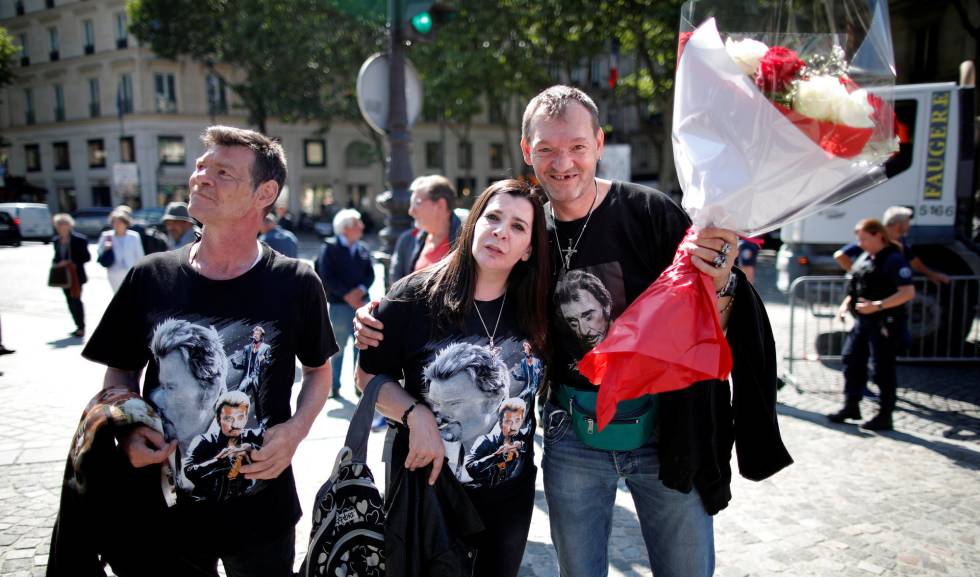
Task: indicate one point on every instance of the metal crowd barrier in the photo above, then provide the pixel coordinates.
(943, 320)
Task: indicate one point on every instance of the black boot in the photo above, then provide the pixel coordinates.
(850, 411)
(881, 422)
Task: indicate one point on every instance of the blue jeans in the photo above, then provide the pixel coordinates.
(580, 487)
(342, 321)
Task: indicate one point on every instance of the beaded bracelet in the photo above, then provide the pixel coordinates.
(728, 306)
(407, 411)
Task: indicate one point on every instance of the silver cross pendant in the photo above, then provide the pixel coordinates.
(569, 252)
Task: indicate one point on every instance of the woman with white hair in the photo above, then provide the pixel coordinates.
(124, 244)
(71, 251)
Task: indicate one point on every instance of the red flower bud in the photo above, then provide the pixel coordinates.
(777, 69)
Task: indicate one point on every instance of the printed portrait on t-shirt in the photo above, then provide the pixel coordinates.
(481, 400)
(588, 300)
(209, 390)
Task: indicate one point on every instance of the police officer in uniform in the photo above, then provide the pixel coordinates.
(881, 284)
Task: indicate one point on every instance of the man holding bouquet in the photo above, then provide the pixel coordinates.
(625, 235)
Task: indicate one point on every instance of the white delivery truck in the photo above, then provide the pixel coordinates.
(933, 175)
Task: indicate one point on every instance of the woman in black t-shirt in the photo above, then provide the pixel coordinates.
(466, 337)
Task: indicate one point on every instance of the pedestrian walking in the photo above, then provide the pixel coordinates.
(119, 248)
(71, 251)
(281, 240)
(218, 327)
(346, 269)
(457, 331)
(880, 285)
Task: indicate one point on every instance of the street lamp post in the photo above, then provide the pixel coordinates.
(395, 201)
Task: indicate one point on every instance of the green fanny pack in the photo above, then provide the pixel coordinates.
(632, 427)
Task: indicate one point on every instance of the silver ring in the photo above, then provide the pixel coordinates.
(719, 261)
(726, 248)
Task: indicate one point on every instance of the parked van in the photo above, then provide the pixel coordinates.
(33, 219)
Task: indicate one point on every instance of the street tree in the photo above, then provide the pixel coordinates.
(292, 60)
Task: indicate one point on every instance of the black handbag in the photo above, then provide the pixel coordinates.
(107, 258)
(348, 537)
(58, 277)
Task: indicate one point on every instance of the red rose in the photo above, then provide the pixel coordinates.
(777, 69)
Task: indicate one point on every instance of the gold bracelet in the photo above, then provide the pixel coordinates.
(728, 306)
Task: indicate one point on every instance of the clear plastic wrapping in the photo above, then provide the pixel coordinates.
(780, 108)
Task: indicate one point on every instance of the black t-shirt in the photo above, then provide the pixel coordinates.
(630, 239)
(483, 399)
(204, 340)
(879, 277)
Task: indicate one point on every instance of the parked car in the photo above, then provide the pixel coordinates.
(149, 216)
(9, 231)
(92, 221)
(33, 219)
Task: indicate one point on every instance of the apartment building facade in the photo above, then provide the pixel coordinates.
(95, 119)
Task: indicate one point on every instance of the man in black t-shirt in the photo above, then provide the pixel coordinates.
(223, 318)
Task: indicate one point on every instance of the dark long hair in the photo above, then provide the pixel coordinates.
(448, 286)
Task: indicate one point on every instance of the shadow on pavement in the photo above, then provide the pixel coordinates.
(962, 456)
(66, 342)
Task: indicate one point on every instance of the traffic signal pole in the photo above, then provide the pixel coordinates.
(399, 176)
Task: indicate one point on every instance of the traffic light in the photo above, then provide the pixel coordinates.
(422, 18)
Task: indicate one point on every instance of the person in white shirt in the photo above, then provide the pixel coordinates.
(125, 244)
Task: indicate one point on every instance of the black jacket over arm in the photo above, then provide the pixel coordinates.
(699, 425)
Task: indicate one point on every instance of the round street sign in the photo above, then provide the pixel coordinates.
(372, 92)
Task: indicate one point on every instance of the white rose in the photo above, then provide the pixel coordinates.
(820, 98)
(746, 53)
(856, 111)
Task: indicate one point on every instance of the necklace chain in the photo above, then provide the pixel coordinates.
(497, 324)
(573, 248)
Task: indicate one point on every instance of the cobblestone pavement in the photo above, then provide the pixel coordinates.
(854, 503)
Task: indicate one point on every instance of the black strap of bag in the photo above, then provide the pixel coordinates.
(359, 429)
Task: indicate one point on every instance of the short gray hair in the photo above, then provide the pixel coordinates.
(201, 346)
(553, 102)
(232, 399)
(343, 219)
(485, 371)
(896, 214)
(63, 218)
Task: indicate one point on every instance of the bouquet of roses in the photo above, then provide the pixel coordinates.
(787, 113)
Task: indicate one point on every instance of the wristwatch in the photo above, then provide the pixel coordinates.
(881, 305)
(729, 289)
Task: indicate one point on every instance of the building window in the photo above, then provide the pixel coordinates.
(171, 150)
(96, 153)
(127, 149)
(217, 95)
(433, 154)
(124, 95)
(122, 35)
(94, 106)
(496, 155)
(62, 160)
(88, 32)
(29, 116)
(53, 53)
(59, 103)
(32, 157)
(25, 53)
(166, 93)
(19, 7)
(465, 153)
(49, 3)
(359, 154)
(315, 152)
